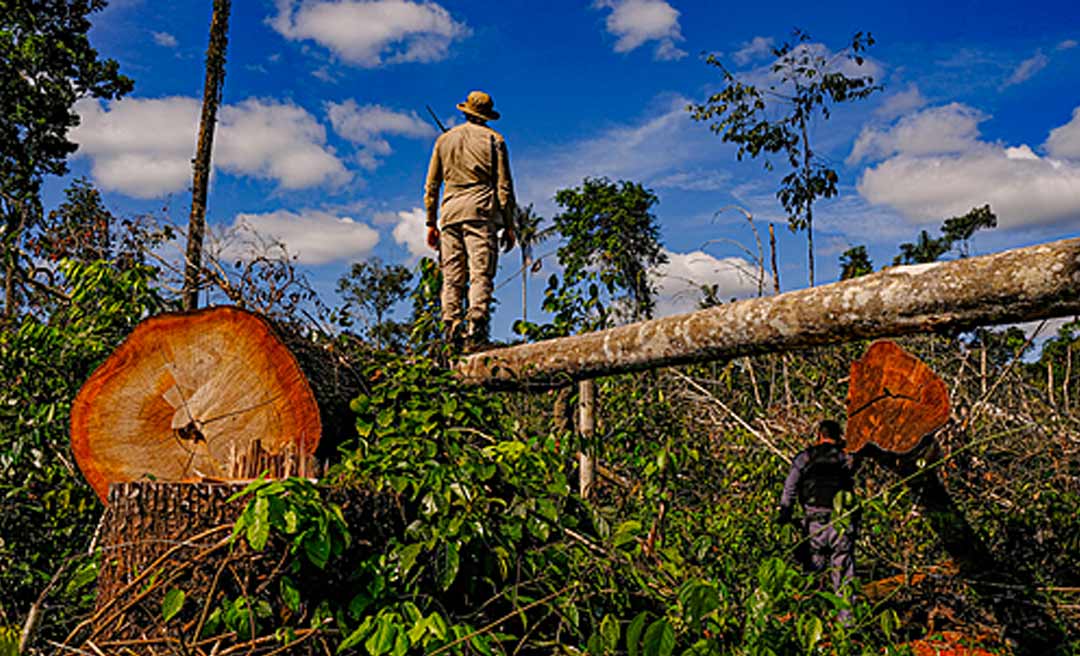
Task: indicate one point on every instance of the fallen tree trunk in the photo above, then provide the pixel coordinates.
(1024, 284)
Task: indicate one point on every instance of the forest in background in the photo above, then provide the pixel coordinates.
(492, 550)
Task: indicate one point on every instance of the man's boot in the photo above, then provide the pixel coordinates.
(452, 336)
(476, 335)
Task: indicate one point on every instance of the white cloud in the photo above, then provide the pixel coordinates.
(1064, 142)
(371, 33)
(759, 46)
(929, 183)
(636, 22)
(900, 103)
(365, 126)
(143, 147)
(1027, 69)
(951, 128)
(164, 39)
(679, 281)
(1067, 44)
(411, 232)
(277, 141)
(313, 236)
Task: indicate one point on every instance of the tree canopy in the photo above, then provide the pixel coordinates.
(46, 65)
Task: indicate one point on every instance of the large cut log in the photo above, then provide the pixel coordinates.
(188, 393)
(1018, 285)
(896, 404)
(894, 400)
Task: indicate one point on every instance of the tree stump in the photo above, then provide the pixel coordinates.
(162, 540)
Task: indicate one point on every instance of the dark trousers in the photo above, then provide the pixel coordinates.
(831, 548)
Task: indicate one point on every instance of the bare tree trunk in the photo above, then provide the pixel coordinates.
(1050, 382)
(9, 286)
(982, 367)
(807, 155)
(215, 80)
(524, 286)
(587, 430)
(772, 257)
(1065, 396)
(1018, 285)
(776, 291)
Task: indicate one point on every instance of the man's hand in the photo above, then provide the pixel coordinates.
(433, 238)
(508, 239)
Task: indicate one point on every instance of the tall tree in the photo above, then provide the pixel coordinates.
(215, 80)
(529, 236)
(46, 64)
(805, 83)
(375, 288)
(611, 237)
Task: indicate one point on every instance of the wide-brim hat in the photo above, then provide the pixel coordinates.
(480, 105)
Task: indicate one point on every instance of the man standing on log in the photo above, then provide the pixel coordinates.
(472, 160)
(818, 475)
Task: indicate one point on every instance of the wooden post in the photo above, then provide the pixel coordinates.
(587, 431)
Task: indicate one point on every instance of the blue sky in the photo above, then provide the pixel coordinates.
(324, 141)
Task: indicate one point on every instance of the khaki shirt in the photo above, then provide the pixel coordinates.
(473, 162)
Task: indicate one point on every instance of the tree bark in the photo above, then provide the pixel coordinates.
(1018, 285)
(215, 80)
(163, 536)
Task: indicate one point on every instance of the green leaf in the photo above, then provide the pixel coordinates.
(172, 603)
(609, 629)
(356, 636)
(289, 594)
(812, 631)
(450, 564)
(317, 548)
(409, 555)
(660, 638)
(382, 640)
(633, 633)
(258, 530)
(626, 532)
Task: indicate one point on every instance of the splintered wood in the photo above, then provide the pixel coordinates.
(894, 400)
(255, 462)
(186, 394)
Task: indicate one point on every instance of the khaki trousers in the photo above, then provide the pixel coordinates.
(470, 254)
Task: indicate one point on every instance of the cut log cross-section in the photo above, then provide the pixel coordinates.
(894, 400)
(186, 393)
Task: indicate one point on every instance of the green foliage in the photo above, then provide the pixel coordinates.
(956, 232)
(775, 120)
(9, 641)
(294, 509)
(611, 241)
(47, 64)
(529, 235)
(426, 319)
(855, 262)
(375, 288)
(50, 510)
